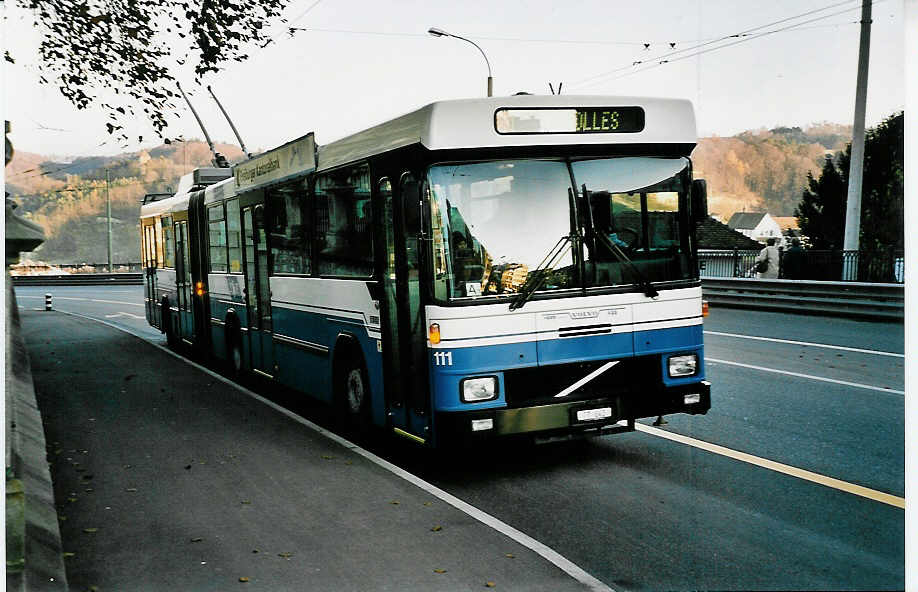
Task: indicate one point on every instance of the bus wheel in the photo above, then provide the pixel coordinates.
(353, 399)
(234, 353)
(171, 340)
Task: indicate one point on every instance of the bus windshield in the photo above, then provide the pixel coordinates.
(496, 223)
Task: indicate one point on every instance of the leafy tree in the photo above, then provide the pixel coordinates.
(821, 211)
(135, 47)
(882, 202)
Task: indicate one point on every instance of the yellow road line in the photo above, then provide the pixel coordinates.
(872, 494)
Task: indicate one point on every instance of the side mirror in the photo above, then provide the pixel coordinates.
(699, 200)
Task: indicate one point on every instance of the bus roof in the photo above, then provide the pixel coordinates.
(470, 123)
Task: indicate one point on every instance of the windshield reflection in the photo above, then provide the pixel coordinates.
(494, 223)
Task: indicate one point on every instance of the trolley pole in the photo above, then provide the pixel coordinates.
(856, 173)
(108, 209)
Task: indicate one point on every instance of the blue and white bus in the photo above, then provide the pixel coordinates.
(475, 268)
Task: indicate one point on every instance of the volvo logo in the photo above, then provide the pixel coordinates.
(584, 314)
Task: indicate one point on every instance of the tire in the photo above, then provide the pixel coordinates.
(353, 394)
(234, 353)
(171, 339)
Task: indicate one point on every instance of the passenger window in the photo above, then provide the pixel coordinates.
(290, 229)
(217, 236)
(168, 243)
(344, 219)
(234, 236)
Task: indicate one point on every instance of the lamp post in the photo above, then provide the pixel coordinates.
(441, 33)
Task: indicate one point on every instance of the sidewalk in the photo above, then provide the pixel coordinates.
(167, 478)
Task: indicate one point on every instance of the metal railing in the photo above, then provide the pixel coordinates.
(886, 266)
(81, 279)
(24, 269)
(847, 299)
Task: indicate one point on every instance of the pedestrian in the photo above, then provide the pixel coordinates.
(766, 264)
(795, 262)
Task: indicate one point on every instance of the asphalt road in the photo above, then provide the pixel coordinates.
(640, 511)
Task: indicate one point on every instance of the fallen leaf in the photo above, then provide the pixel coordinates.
(440, 571)
(89, 490)
(246, 502)
(490, 584)
(196, 540)
(437, 528)
(131, 489)
(61, 517)
(327, 456)
(510, 556)
(243, 579)
(348, 462)
(395, 502)
(90, 530)
(71, 499)
(428, 503)
(285, 555)
(68, 555)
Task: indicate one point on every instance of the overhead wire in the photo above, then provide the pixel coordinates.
(746, 35)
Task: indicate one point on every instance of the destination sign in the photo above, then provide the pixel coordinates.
(576, 120)
(297, 157)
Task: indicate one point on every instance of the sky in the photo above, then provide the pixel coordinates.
(361, 62)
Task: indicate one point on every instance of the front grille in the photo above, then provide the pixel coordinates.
(538, 386)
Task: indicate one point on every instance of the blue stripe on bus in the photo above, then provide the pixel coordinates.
(452, 365)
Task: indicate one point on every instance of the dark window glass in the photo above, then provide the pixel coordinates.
(344, 222)
(217, 235)
(290, 229)
(234, 236)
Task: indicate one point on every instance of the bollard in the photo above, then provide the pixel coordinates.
(48, 302)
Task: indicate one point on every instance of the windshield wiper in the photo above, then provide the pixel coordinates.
(642, 280)
(537, 277)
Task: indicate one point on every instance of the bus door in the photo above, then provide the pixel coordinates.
(183, 281)
(149, 272)
(406, 336)
(257, 291)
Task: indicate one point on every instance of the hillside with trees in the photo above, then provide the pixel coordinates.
(68, 200)
(760, 170)
(764, 170)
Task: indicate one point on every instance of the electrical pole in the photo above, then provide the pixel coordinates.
(856, 173)
(108, 209)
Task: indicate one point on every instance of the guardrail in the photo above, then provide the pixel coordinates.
(847, 299)
(80, 279)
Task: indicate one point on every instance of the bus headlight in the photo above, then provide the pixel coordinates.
(683, 365)
(474, 390)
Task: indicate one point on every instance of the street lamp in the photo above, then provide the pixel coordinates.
(441, 33)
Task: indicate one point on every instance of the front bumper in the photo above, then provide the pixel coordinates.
(561, 418)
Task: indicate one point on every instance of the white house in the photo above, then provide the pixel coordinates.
(758, 226)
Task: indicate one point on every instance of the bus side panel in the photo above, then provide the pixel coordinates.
(308, 316)
(165, 288)
(225, 295)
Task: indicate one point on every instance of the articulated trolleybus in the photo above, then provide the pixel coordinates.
(476, 268)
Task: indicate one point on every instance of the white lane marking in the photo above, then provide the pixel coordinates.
(866, 492)
(541, 549)
(116, 302)
(123, 314)
(586, 379)
(882, 389)
(84, 300)
(822, 345)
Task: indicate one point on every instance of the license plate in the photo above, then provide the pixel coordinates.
(594, 414)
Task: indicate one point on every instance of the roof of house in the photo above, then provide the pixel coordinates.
(712, 234)
(746, 220)
(787, 222)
